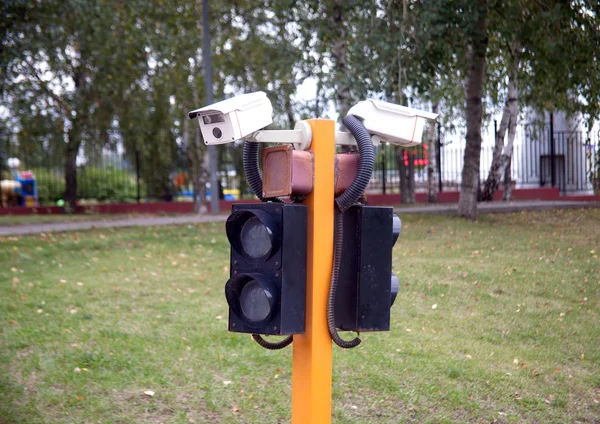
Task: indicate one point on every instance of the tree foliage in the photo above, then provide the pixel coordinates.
(109, 74)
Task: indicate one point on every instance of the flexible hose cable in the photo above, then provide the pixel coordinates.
(348, 198)
(252, 171)
(337, 258)
(366, 160)
(273, 345)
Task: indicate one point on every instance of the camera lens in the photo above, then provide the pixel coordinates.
(217, 133)
(206, 119)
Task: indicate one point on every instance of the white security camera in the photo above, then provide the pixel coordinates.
(235, 118)
(394, 124)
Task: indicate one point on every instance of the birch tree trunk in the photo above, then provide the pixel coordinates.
(467, 205)
(509, 115)
(507, 194)
(492, 181)
(432, 181)
(506, 161)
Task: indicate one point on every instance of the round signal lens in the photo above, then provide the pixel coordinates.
(255, 238)
(254, 302)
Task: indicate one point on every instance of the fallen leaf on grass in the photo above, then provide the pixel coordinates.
(235, 409)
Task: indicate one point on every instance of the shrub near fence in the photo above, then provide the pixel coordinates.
(93, 184)
(50, 185)
(104, 184)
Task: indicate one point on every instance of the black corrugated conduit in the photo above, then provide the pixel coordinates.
(365, 163)
(254, 178)
(348, 198)
(252, 171)
(273, 345)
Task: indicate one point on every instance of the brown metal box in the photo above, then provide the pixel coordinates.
(286, 172)
(346, 168)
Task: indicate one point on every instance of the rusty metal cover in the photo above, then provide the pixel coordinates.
(346, 168)
(286, 171)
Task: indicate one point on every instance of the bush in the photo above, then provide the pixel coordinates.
(100, 184)
(106, 185)
(50, 185)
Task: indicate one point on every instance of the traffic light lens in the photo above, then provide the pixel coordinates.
(255, 238)
(254, 302)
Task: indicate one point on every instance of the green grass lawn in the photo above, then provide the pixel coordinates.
(496, 321)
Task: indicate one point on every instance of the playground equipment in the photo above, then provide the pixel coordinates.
(11, 192)
(22, 190)
(29, 194)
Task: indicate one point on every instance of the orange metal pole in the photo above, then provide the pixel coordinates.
(311, 363)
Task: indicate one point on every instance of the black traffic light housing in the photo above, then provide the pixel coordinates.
(266, 291)
(367, 287)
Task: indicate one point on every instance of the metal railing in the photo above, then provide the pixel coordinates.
(564, 160)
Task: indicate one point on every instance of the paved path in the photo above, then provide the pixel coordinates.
(499, 207)
(492, 207)
(110, 223)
